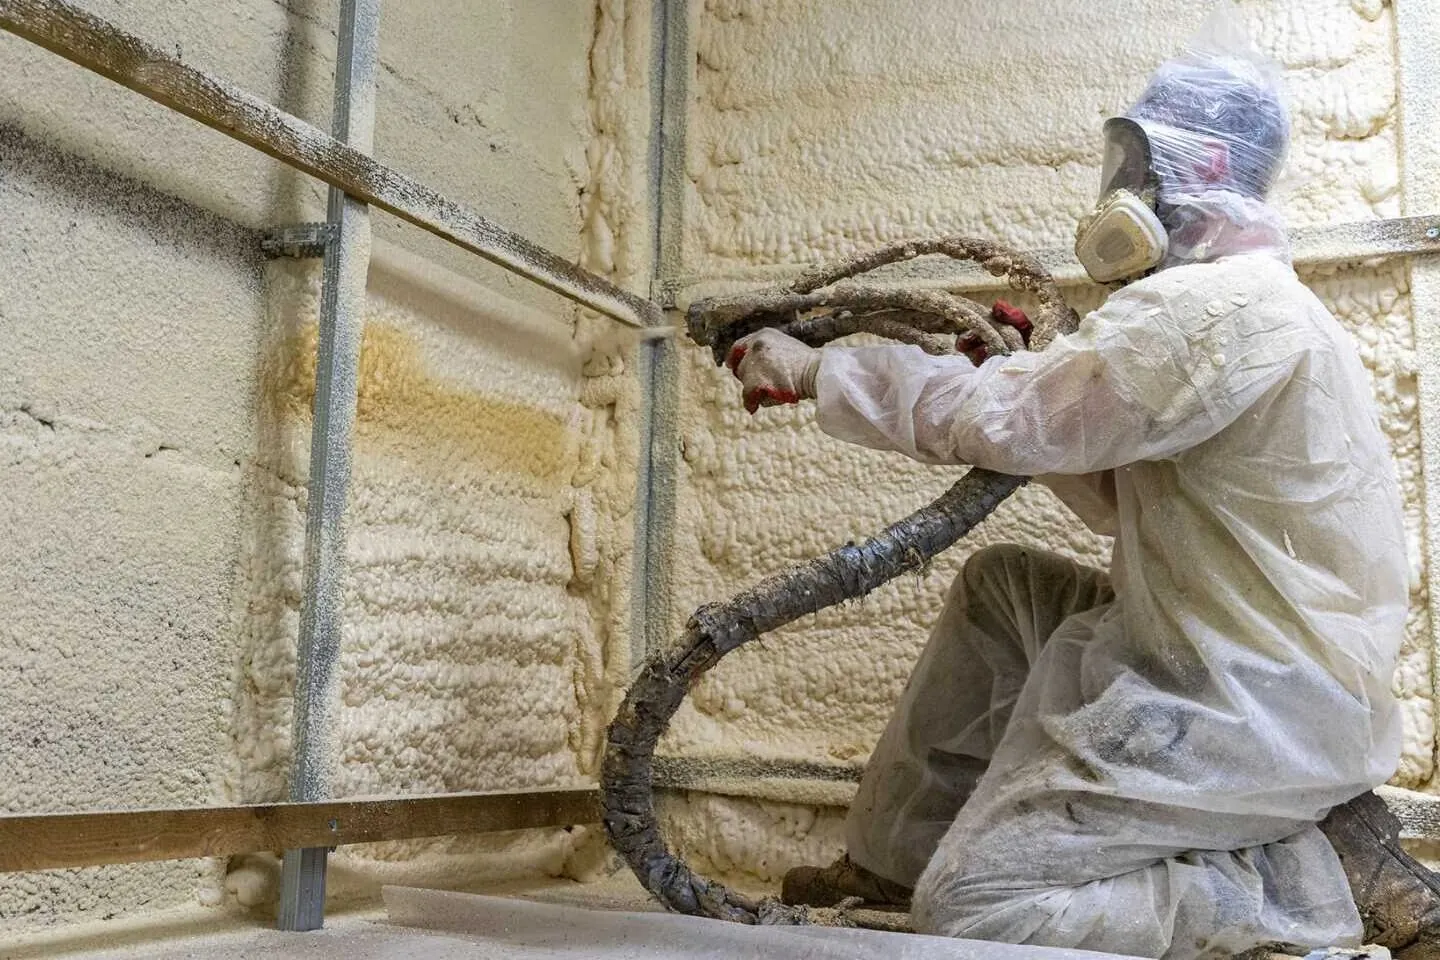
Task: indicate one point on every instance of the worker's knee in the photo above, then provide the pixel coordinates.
(987, 568)
(996, 557)
(1012, 564)
(992, 575)
(1007, 574)
(944, 904)
(975, 881)
(950, 903)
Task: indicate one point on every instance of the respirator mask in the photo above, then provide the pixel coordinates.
(1124, 237)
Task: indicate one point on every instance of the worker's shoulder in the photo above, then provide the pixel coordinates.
(1236, 286)
(1239, 275)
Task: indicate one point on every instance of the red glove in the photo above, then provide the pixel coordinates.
(773, 368)
(1000, 313)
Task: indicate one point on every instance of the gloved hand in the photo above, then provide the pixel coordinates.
(1000, 313)
(774, 368)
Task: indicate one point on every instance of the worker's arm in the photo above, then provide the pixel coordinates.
(1159, 368)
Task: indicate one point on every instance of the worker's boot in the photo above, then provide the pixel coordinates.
(842, 880)
(1399, 899)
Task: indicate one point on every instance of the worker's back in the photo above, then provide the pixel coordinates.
(1174, 748)
(1265, 569)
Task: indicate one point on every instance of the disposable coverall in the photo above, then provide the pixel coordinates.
(1136, 761)
(1157, 744)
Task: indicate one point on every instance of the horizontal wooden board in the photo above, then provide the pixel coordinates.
(58, 840)
(55, 840)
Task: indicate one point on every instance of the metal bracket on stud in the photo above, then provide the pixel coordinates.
(299, 241)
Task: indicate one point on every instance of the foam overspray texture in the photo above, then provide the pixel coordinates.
(160, 362)
(483, 535)
(130, 324)
(819, 129)
(615, 242)
(753, 842)
(615, 237)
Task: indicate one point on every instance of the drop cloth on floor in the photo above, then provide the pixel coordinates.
(522, 929)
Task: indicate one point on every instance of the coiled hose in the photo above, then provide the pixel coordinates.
(823, 304)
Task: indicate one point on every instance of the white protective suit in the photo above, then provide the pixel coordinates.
(1156, 745)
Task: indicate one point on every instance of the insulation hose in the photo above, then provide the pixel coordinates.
(822, 305)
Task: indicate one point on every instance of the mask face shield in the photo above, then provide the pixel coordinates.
(1128, 161)
(1123, 237)
(1188, 166)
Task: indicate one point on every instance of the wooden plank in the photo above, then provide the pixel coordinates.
(52, 841)
(56, 840)
(97, 45)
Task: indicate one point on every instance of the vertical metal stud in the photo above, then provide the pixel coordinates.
(342, 310)
(652, 599)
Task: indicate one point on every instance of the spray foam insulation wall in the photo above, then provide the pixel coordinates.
(155, 399)
(154, 408)
(819, 128)
(125, 391)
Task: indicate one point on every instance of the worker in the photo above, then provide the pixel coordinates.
(1138, 761)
